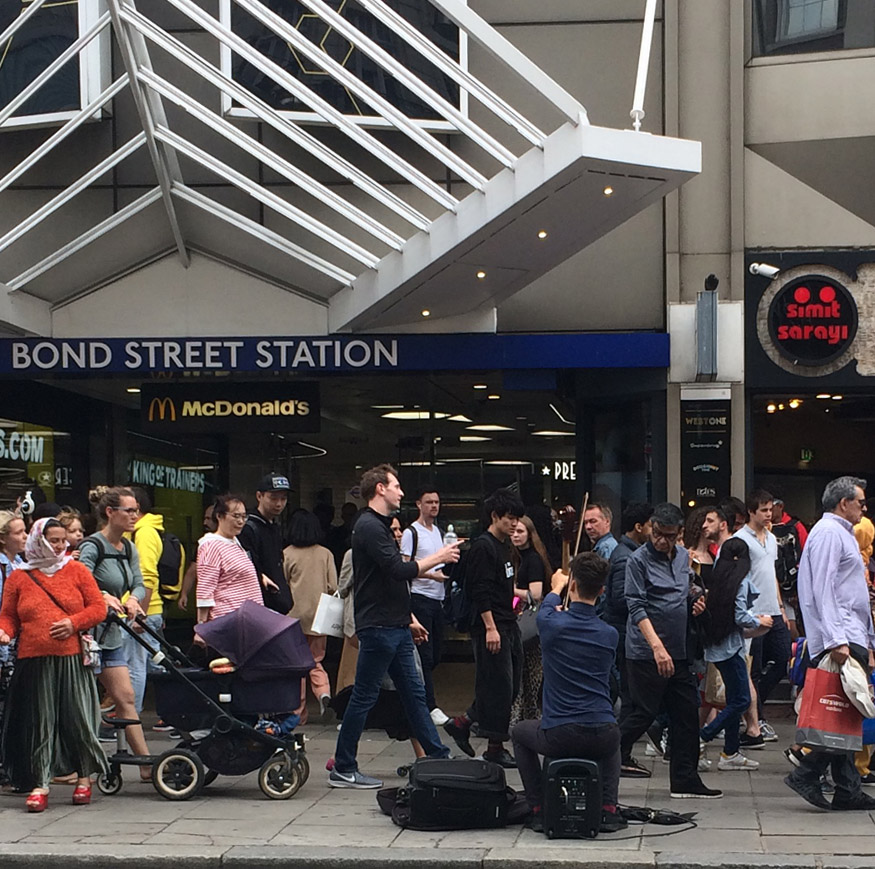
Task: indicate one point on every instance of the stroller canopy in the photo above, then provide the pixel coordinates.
(259, 641)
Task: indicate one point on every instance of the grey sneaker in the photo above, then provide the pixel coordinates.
(736, 761)
(356, 779)
(768, 732)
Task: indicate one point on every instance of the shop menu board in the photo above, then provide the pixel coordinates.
(705, 451)
(33, 457)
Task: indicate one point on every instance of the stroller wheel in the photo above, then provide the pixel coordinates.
(279, 778)
(403, 771)
(178, 774)
(210, 777)
(303, 766)
(109, 783)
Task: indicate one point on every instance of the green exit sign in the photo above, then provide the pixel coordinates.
(806, 455)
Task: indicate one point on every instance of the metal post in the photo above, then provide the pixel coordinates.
(637, 113)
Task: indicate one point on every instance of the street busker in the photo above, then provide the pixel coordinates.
(578, 720)
(729, 614)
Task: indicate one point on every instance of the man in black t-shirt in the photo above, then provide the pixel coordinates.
(495, 635)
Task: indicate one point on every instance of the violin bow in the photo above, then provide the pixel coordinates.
(576, 544)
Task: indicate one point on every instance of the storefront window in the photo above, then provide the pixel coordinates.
(34, 459)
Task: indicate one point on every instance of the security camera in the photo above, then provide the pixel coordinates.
(764, 270)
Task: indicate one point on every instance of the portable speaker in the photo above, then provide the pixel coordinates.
(572, 806)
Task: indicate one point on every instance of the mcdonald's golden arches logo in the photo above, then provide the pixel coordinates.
(159, 408)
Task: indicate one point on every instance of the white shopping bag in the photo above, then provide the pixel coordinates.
(329, 616)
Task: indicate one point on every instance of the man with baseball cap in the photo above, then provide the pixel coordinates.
(262, 538)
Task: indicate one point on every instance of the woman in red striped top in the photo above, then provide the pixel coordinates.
(226, 575)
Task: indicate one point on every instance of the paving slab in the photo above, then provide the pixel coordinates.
(350, 858)
(117, 856)
(598, 857)
(697, 860)
(825, 845)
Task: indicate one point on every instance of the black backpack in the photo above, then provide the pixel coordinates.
(169, 566)
(458, 606)
(104, 551)
(453, 794)
(789, 553)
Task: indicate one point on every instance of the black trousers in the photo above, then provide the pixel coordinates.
(430, 613)
(496, 682)
(771, 654)
(648, 691)
(600, 743)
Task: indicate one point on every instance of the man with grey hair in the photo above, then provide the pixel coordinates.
(834, 600)
(657, 666)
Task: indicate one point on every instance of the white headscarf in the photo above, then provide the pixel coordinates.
(38, 552)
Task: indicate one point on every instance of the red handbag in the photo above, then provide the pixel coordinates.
(827, 720)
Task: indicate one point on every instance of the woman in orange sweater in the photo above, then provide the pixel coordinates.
(52, 710)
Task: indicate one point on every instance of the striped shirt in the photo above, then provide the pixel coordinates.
(226, 575)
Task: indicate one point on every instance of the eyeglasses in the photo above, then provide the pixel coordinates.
(129, 510)
(662, 535)
(240, 516)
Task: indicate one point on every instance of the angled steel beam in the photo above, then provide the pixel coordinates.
(133, 56)
(426, 93)
(488, 143)
(57, 137)
(85, 239)
(249, 145)
(321, 107)
(21, 20)
(271, 200)
(262, 233)
(486, 97)
(510, 56)
(68, 193)
(24, 313)
(64, 57)
(291, 131)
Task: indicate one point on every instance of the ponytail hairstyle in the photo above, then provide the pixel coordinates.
(731, 568)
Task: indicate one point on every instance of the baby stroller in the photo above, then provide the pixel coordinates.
(219, 714)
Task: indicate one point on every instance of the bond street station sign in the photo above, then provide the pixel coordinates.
(812, 320)
(284, 407)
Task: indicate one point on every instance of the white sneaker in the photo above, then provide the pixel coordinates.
(704, 763)
(650, 751)
(736, 761)
(439, 717)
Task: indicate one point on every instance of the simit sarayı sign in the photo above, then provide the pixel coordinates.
(812, 320)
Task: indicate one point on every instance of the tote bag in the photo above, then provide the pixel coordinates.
(827, 719)
(329, 615)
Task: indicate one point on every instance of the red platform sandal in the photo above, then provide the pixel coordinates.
(82, 795)
(37, 802)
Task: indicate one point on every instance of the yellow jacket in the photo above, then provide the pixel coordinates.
(149, 547)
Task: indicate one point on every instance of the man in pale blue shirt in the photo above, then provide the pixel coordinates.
(770, 652)
(834, 600)
(597, 524)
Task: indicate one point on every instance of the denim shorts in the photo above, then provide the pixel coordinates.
(110, 658)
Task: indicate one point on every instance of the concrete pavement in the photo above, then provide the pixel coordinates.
(759, 822)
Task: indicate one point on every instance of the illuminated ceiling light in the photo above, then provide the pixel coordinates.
(425, 312)
(608, 191)
(795, 402)
(824, 395)
(770, 408)
(418, 464)
(780, 407)
(548, 433)
(542, 234)
(459, 417)
(481, 275)
(489, 427)
(513, 462)
(134, 390)
(837, 397)
(523, 418)
(494, 397)
(387, 406)
(473, 439)
(691, 503)
(447, 461)
(413, 414)
(481, 386)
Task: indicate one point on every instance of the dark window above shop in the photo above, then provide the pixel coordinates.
(802, 26)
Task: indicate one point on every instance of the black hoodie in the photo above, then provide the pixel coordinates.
(264, 542)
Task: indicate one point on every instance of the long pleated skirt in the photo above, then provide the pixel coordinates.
(51, 721)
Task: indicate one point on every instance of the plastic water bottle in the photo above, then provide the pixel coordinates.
(450, 536)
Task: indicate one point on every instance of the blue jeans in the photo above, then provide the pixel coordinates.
(733, 671)
(138, 659)
(383, 650)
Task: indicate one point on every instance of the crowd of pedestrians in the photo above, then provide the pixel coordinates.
(678, 629)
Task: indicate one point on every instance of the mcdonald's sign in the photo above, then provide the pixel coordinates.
(161, 409)
(205, 408)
